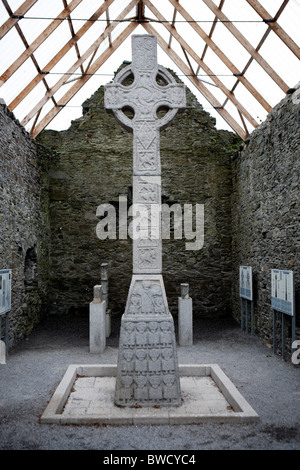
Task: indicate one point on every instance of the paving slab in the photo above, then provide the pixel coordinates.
(85, 395)
(35, 368)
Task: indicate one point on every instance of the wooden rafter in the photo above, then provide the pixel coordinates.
(108, 23)
(197, 59)
(199, 85)
(140, 11)
(190, 64)
(38, 41)
(246, 44)
(173, 25)
(20, 32)
(275, 26)
(36, 120)
(77, 64)
(188, 60)
(88, 24)
(15, 17)
(261, 42)
(211, 31)
(70, 23)
(79, 84)
(210, 43)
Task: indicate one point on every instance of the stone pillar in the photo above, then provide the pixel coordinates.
(104, 284)
(97, 322)
(2, 352)
(185, 317)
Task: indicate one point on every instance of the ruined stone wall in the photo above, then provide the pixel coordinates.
(265, 208)
(251, 207)
(24, 223)
(92, 165)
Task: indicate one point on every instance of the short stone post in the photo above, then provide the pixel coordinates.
(97, 322)
(185, 317)
(2, 352)
(104, 284)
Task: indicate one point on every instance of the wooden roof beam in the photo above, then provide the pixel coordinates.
(77, 64)
(109, 39)
(206, 69)
(107, 24)
(243, 122)
(248, 63)
(96, 50)
(70, 23)
(275, 26)
(24, 40)
(199, 85)
(79, 84)
(88, 24)
(140, 12)
(266, 34)
(188, 60)
(173, 25)
(235, 71)
(212, 30)
(15, 17)
(36, 120)
(38, 41)
(246, 44)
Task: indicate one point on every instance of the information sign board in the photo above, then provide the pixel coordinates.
(282, 291)
(5, 291)
(246, 282)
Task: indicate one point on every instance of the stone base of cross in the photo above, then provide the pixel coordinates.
(147, 372)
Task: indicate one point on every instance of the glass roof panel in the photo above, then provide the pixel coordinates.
(11, 46)
(288, 20)
(52, 45)
(271, 7)
(23, 75)
(15, 4)
(200, 13)
(264, 85)
(3, 14)
(230, 46)
(30, 101)
(246, 20)
(274, 51)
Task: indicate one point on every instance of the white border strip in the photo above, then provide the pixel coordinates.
(242, 411)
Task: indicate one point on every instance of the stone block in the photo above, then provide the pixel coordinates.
(97, 294)
(97, 327)
(185, 321)
(2, 352)
(184, 290)
(104, 272)
(108, 323)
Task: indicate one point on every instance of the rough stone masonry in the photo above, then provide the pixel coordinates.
(147, 364)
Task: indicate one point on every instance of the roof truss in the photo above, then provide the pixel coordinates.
(191, 58)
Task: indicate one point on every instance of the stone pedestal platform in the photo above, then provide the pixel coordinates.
(85, 396)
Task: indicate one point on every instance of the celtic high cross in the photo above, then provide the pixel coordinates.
(147, 363)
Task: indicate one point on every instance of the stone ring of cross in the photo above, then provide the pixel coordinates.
(150, 92)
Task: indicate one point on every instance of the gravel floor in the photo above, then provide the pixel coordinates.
(36, 366)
